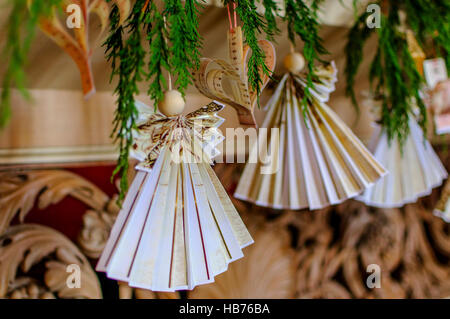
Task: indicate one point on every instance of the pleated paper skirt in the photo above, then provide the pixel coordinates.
(414, 170)
(318, 161)
(177, 229)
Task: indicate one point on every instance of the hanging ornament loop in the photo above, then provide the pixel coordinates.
(234, 19)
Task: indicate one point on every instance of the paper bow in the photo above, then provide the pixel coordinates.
(235, 91)
(77, 45)
(195, 134)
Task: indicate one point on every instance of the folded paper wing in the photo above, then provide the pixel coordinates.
(315, 160)
(76, 43)
(414, 170)
(227, 81)
(177, 228)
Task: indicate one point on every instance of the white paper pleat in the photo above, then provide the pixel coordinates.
(177, 229)
(414, 170)
(321, 162)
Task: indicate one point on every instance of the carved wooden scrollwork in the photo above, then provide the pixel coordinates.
(24, 247)
(20, 190)
(322, 254)
(335, 246)
(96, 228)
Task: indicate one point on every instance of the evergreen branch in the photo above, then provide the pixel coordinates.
(429, 19)
(159, 57)
(127, 58)
(184, 39)
(393, 72)
(195, 40)
(271, 11)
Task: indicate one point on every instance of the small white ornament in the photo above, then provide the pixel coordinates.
(172, 104)
(294, 62)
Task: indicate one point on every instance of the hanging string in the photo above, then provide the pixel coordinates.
(291, 47)
(169, 76)
(234, 16)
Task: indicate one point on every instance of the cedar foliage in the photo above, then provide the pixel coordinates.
(393, 73)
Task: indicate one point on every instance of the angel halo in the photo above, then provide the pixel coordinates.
(177, 228)
(320, 161)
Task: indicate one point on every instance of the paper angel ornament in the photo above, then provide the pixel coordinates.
(318, 160)
(414, 169)
(177, 228)
(227, 81)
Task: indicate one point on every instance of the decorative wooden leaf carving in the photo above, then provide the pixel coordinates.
(20, 190)
(28, 288)
(95, 231)
(24, 246)
(334, 246)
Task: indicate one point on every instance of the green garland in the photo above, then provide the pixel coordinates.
(21, 29)
(127, 59)
(184, 39)
(270, 14)
(393, 73)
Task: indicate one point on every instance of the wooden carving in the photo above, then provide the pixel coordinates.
(19, 190)
(323, 254)
(96, 228)
(334, 247)
(23, 247)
